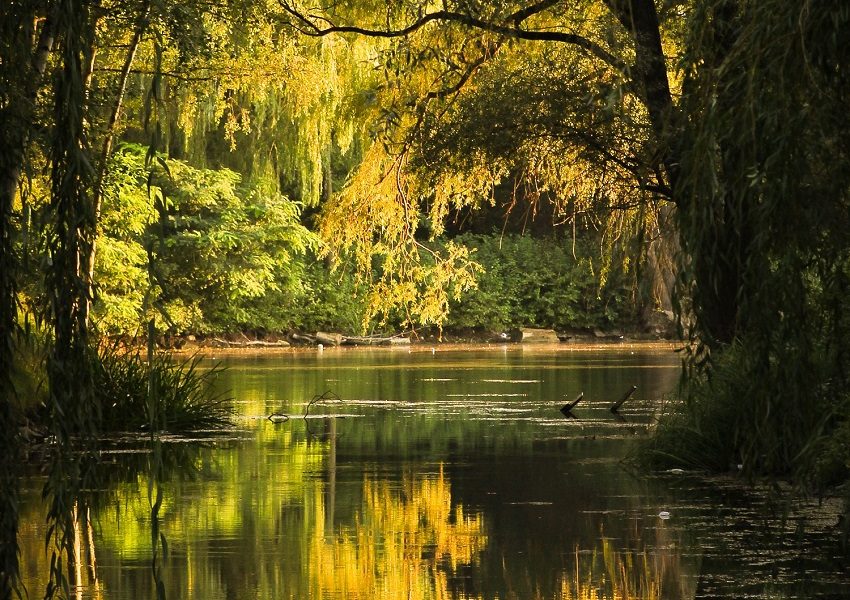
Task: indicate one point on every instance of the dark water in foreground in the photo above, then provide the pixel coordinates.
(444, 475)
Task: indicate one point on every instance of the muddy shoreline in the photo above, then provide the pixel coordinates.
(427, 346)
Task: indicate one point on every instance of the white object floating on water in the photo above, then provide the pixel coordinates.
(664, 515)
(320, 347)
(676, 471)
(433, 350)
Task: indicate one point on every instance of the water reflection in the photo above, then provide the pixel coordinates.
(415, 484)
(407, 541)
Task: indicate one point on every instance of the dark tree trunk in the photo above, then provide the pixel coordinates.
(640, 19)
(716, 230)
(23, 57)
(73, 219)
(21, 75)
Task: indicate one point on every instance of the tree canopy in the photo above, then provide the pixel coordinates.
(175, 160)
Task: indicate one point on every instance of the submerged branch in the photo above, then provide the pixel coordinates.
(328, 395)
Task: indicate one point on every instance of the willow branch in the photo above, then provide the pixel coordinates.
(521, 15)
(307, 24)
(465, 76)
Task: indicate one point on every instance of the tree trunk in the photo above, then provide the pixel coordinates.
(108, 142)
(715, 228)
(72, 227)
(640, 19)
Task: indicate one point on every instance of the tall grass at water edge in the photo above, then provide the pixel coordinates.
(728, 419)
(773, 426)
(185, 395)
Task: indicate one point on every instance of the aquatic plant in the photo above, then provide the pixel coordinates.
(186, 398)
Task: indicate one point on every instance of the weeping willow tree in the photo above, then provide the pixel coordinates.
(236, 89)
(24, 49)
(573, 102)
(92, 52)
(765, 225)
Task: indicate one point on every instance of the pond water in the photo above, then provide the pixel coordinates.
(438, 474)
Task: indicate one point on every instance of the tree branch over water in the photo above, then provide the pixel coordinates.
(312, 25)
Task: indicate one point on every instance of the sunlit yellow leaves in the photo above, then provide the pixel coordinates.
(459, 189)
(372, 202)
(375, 220)
(404, 544)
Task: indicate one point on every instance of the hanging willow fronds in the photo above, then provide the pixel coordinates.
(74, 413)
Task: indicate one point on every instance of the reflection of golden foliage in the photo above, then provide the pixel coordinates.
(616, 574)
(623, 576)
(405, 544)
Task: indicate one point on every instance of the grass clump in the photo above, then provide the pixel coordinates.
(184, 396)
(727, 419)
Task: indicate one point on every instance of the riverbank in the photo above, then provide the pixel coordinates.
(459, 345)
(296, 339)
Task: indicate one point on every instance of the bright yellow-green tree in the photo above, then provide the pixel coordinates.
(569, 103)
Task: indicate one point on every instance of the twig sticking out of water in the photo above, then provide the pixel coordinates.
(328, 395)
(567, 409)
(616, 406)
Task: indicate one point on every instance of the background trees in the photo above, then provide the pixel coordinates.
(709, 132)
(571, 103)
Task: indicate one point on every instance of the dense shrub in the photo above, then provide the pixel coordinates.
(194, 248)
(540, 282)
(202, 253)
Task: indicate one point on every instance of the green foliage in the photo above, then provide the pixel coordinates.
(217, 247)
(227, 262)
(327, 301)
(539, 282)
(29, 375)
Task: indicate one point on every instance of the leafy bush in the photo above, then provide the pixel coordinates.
(538, 282)
(327, 300)
(218, 247)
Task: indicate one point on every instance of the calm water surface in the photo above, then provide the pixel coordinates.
(449, 474)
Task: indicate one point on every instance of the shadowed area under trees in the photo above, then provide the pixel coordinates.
(202, 168)
(723, 118)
